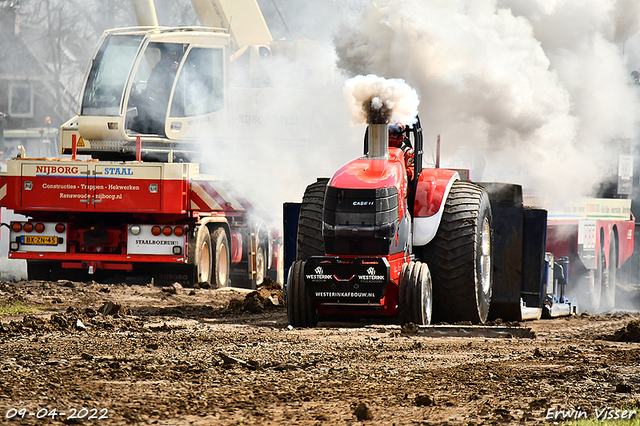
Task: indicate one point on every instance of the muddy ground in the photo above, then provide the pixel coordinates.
(169, 356)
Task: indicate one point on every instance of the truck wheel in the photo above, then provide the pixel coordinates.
(280, 266)
(261, 264)
(460, 256)
(415, 300)
(593, 279)
(221, 258)
(203, 256)
(301, 311)
(586, 283)
(310, 242)
(276, 272)
(610, 279)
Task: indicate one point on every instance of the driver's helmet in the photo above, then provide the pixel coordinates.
(396, 134)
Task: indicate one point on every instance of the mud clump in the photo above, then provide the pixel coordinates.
(424, 400)
(267, 296)
(363, 412)
(113, 309)
(629, 333)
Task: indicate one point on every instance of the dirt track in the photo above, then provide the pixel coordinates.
(168, 356)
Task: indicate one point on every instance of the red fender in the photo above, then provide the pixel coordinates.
(431, 193)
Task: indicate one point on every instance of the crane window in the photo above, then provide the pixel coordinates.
(108, 75)
(151, 87)
(150, 58)
(20, 101)
(200, 85)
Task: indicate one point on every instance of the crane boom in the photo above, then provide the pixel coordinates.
(249, 27)
(145, 11)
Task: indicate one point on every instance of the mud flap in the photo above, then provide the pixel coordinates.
(240, 277)
(165, 274)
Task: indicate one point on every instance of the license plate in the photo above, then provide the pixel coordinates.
(34, 240)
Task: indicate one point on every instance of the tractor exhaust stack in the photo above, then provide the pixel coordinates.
(378, 135)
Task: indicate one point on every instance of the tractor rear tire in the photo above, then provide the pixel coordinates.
(460, 256)
(301, 310)
(415, 297)
(221, 260)
(310, 242)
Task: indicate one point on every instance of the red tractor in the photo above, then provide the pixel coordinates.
(373, 242)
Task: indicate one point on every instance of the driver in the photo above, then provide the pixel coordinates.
(163, 73)
(398, 140)
(158, 88)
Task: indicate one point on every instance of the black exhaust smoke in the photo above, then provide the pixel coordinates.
(377, 112)
(376, 101)
(378, 116)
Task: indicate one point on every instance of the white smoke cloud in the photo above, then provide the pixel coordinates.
(392, 97)
(288, 127)
(540, 88)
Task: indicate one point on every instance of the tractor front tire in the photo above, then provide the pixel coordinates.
(310, 242)
(415, 297)
(301, 311)
(460, 256)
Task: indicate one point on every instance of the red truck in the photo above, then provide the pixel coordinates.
(596, 237)
(132, 198)
(157, 219)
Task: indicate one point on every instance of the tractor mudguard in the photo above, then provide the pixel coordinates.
(431, 193)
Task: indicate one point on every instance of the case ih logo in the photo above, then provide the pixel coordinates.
(363, 203)
(57, 170)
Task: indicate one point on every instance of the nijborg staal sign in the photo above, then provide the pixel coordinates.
(74, 170)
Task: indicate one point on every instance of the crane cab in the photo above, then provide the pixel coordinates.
(163, 85)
